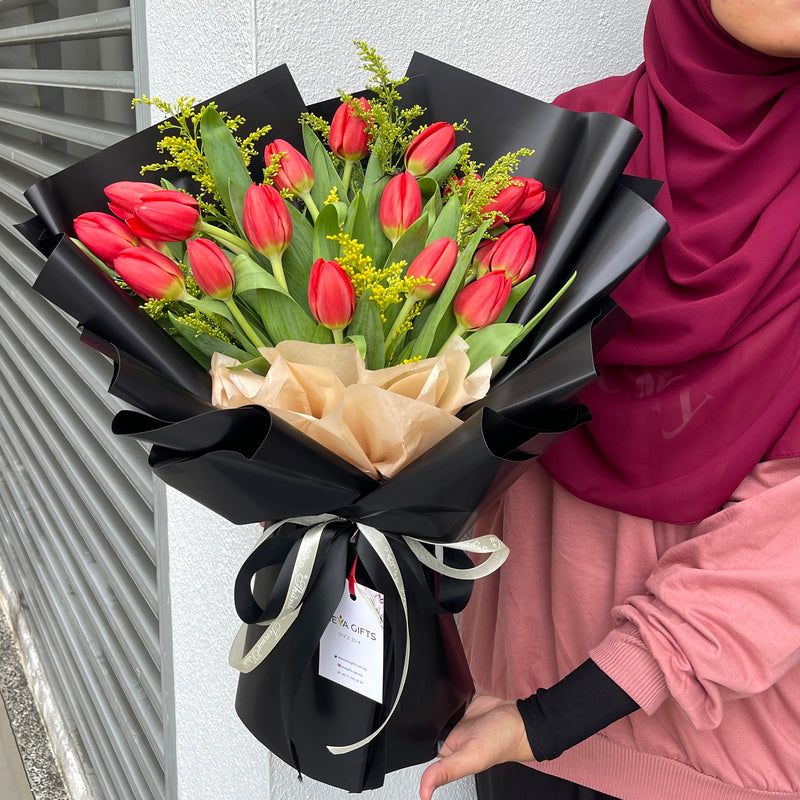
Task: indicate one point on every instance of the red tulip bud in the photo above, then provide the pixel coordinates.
(105, 236)
(401, 205)
(514, 253)
(266, 220)
(126, 195)
(331, 297)
(429, 148)
(150, 274)
(211, 268)
(348, 137)
(518, 200)
(294, 173)
(166, 216)
(479, 303)
(435, 263)
(482, 255)
(532, 200)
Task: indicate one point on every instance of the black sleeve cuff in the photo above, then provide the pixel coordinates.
(579, 705)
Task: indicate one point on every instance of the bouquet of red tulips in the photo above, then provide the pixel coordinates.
(346, 338)
(395, 242)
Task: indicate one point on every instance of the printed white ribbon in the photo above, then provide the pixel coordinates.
(277, 627)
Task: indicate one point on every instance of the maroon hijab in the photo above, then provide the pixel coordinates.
(705, 381)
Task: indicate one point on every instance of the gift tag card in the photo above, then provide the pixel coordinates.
(351, 648)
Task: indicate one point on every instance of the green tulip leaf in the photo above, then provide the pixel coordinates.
(224, 157)
(381, 246)
(441, 172)
(284, 318)
(447, 324)
(432, 205)
(237, 192)
(341, 212)
(531, 324)
(250, 275)
(325, 175)
(410, 244)
(367, 324)
(447, 222)
(358, 225)
(490, 342)
(360, 342)
(206, 344)
(209, 306)
(424, 343)
(258, 365)
(177, 250)
(405, 353)
(517, 293)
(429, 190)
(373, 172)
(327, 224)
(297, 259)
(322, 335)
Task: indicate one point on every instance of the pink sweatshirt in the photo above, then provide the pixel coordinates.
(699, 624)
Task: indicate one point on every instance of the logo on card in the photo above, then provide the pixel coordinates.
(358, 630)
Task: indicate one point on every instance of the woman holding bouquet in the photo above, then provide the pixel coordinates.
(654, 584)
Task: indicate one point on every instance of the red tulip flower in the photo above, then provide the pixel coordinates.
(429, 148)
(211, 268)
(435, 263)
(166, 216)
(521, 198)
(514, 253)
(401, 205)
(215, 277)
(348, 136)
(103, 235)
(482, 255)
(331, 296)
(266, 220)
(126, 195)
(294, 173)
(150, 274)
(533, 197)
(479, 303)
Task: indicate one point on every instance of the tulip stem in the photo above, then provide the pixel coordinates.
(277, 271)
(310, 205)
(338, 335)
(398, 323)
(234, 243)
(346, 172)
(459, 331)
(243, 323)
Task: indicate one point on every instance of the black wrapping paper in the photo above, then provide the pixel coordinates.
(249, 466)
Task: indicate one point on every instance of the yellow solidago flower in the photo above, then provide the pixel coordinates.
(387, 286)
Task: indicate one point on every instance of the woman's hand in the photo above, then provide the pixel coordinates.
(491, 732)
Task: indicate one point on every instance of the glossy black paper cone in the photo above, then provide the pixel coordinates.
(143, 386)
(437, 691)
(72, 282)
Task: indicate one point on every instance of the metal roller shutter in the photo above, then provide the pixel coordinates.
(77, 523)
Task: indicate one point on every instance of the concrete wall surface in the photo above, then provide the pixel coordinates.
(200, 48)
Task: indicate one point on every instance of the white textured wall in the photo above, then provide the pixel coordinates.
(199, 48)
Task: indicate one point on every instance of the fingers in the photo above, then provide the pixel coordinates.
(448, 769)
